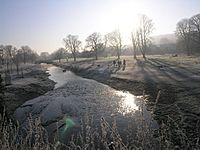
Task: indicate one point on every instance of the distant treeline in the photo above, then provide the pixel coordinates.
(188, 33)
(111, 44)
(187, 41)
(11, 57)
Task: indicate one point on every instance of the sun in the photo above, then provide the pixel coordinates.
(123, 16)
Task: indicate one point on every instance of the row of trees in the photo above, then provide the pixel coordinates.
(188, 33)
(10, 55)
(61, 53)
(96, 42)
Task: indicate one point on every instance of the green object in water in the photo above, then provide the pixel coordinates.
(69, 123)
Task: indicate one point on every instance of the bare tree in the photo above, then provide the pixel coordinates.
(1, 55)
(11, 56)
(94, 41)
(16, 58)
(143, 33)
(105, 40)
(134, 43)
(59, 54)
(44, 56)
(183, 31)
(115, 41)
(8, 57)
(72, 44)
(195, 27)
(25, 50)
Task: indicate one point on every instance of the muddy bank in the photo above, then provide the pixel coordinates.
(34, 84)
(177, 84)
(75, 98)
(98, 72)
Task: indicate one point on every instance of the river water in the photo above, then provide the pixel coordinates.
(74, 98)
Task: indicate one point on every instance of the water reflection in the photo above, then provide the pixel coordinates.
(60, 77)
(76, 97)
(127, 103)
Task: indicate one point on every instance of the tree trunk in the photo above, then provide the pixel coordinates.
(134, 51)
(11, 69)
(96, 56)
(17, 66)
(1, 61)
(118, 54)
(74, 55)
(135, 57)
(188, 52)
(22, 73)
(134, 46)
(143, 55)
(188, 49)
(7, 66)
(24, 58)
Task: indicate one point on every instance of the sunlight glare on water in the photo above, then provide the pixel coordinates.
(127, 104)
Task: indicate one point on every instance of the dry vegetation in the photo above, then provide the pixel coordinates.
(168, 136)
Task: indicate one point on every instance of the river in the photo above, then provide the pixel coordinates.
(75, 97)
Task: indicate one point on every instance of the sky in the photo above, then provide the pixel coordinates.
(42, 24)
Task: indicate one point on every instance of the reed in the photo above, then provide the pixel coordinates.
(168, 136)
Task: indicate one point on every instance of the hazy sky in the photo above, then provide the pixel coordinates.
(42, 24)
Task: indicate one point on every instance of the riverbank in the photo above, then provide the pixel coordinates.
(178, 79)
(128, 78)
(35, 82)
(78, 95)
